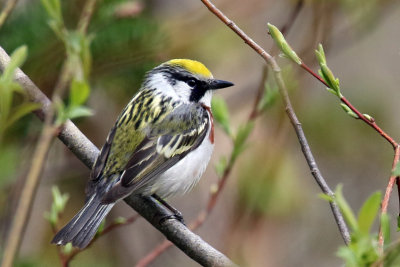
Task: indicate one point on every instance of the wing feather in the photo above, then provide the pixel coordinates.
(166, 143)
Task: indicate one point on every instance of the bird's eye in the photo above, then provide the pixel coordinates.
(191, 82)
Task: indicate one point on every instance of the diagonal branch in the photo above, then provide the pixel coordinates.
(83, 148)
(292, 115)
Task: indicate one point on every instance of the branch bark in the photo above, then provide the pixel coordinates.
(291, 113)
(86, 151)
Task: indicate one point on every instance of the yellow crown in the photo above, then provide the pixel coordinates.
(192, 66)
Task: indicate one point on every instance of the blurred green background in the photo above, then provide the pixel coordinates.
(269, 213)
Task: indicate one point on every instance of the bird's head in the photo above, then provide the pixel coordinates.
(186, 79)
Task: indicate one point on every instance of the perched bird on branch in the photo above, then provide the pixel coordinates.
(160, 145)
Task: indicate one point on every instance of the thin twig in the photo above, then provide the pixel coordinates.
(255, 112)
(191, 244)
(49, 131)
(253, 115)
(388, 192)
(293, 118)
(25, 203)
(395, 145)
(7, 11)
(24, 207)
(86, 15)
(87, 152)
(293, 16)
(157, 251)
(361, 116)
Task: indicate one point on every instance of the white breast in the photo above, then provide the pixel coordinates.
(185, 174)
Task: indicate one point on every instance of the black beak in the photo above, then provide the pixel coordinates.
(219, 84)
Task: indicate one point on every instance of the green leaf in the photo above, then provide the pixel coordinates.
(57, 29)
(326, 73)
(17, 58)
(85, 54)
(59, 200)
(101, 227)
(57, 206)
(326, 197)
(74, 112)
(271, 93)
(62, 115)
(79, 92)
(50, 216)
(348, 110)
(331, 91)
(347, 254)
(396, 170)
(398, 223)
(320, 53)
(9, 160)
(330, 79)
(368, 212)
(67, 249)
(120, 220)
(240, 139)
(220, 166)
(73, 42)
(282, 44)
(221, 113)
(345, 208)
(53, 9)
(385, 226)
(20, 111)
(368, 117)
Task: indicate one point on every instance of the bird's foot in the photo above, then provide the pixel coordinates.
(177, 215)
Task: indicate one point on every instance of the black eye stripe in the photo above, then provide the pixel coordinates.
(184, 77)
(199, 87)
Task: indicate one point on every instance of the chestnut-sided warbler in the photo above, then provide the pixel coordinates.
(160, 144)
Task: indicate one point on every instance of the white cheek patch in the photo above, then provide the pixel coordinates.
(161, 83)
(183, 90)
(206, 99)
(179, 91)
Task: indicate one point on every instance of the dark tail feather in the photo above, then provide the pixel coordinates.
(81, 229)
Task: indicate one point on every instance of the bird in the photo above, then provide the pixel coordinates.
(160, 145)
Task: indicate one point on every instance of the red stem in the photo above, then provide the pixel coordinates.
(154, 254)
(389, 189)
(304, 66)
(393, 179)
(202, 216)
(371, 123)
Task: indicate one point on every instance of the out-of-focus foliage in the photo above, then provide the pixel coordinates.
(267, 189)
(117, 51)
(9, 112)
(221, 113)
(57, 206)
(12, 109)
(362, 12)
(77, 65)
(132, 45)
(270, 95)
(123, 48)
(363, 249)
(269, 199)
